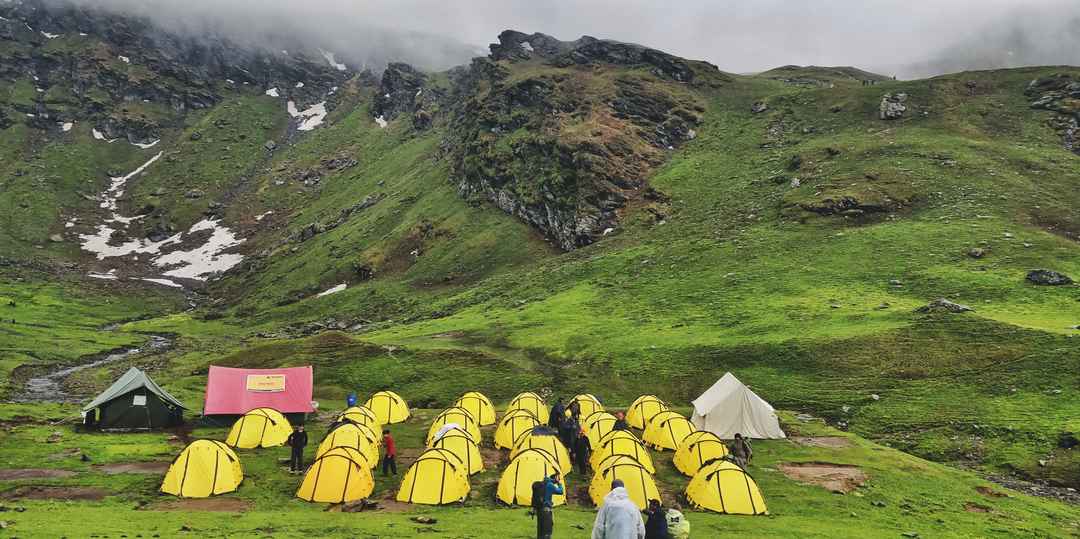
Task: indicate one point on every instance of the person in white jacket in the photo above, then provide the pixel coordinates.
(619, 517)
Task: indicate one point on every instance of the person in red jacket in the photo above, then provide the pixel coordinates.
(388, 463)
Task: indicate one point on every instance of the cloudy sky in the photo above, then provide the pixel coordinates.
(906, 37)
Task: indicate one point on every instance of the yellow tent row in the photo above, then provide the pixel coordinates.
(389, 407)
(261, 427)
(530, 465)
(436, 477)
(340, 474)
(204, 468)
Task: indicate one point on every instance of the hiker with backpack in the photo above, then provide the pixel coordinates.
(740, 450)
(657, 525)
(557, 412)
(542, 491)
(297, 441)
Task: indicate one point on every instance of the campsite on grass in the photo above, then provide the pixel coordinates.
(467, 470)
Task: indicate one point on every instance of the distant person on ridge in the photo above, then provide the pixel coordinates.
(657, 525)
(545, 522)
(741, 451)
(297, 441)
(618, 517)
(582, 452)
(557, 411)
(389, 462)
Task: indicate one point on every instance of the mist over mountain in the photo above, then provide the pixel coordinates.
(902, 38)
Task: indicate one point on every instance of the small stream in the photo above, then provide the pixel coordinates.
(49, 387)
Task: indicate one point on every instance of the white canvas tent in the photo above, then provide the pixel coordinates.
(729, 407)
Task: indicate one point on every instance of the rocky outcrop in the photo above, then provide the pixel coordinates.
(1061, 94)
(1044, 277)
(893, 106)
(943, 305)
(313, 229)
(565, 150)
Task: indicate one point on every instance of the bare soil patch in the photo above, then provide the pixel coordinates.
(830, 442)
(217, 504)
(972, 507)
(493, 458)
(840, 478)
(133, 467)
(34, 473)
(989, 492)
(34, 492)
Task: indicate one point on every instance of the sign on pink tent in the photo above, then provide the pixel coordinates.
(232, 391)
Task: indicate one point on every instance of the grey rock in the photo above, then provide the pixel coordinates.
(56, 238)
(194, 193)
(196, 136)
(893, 106)
(944, 305)
(759, 107)
(270, 145)
(977, 252)
(1044, 277)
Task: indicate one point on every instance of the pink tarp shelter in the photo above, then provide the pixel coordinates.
(237, 391)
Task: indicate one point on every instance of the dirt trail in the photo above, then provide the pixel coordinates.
(34, 473)
(133, 467)
(218, 504)
(35, 492)
(840, 478)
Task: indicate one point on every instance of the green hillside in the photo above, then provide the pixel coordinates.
(570, 217)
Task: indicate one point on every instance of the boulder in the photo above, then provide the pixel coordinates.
(893, 106)
(759, 107)
(1044, 277)
(270, 145)
(944, 305)
(977, 252)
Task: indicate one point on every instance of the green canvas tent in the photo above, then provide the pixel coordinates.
(134, 402)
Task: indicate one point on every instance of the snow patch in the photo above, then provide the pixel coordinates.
(310, 118)
(83, 34)
(273, 92)
(333, 290)
(526, 46)
(163, 282)
(330, 59)
(262, 216)
(299, 85)
(203, 262)
(48, 35)
(125, 59)
(101, 136)
(28, 115)
(230, 81)
(111, 276)
(147, 145)
(418, 92)
(382, 122)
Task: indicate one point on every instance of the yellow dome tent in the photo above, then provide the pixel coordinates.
(544, 438)
(667, 430)
(589, 420)
(643, 409)
(512, 425)
(531, 402)
(203, 468)
(723, 487)
(389, 408)
(618, 443)
(457, 416)
(261, 427)
(588, 404)
(436, 477)
(697, 449)
(361, 415)
(479, 406)
(464, 447)
(612, 460)
(356, 437)
(600, 427)
(339, 475)
(639, 483)
(529, 466)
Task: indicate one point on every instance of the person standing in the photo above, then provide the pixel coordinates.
(545, 521)
(657, 526)
(582, 452)
(297, 441)
(556, 415)
(389, 460)
(575, 410)
(677, 525)
(741, 451)
(619, 517)
(568, 429)
(620, 422)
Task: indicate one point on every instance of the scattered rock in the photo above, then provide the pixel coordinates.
(875, 396)
(270, 145)
(893, 106)
(56, 238)
(424, 520)
(1068, 440)
(196, 136)
(839, 478)
(55, 437)
(1042, 463)
(194, 193)
(759, 107)
(1044, 277)
(944, 305)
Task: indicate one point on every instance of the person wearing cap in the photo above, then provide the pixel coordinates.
(620, 422)
(618, 517)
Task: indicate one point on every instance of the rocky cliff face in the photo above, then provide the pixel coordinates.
(535, 129)
(128, 77)
(1061, 94)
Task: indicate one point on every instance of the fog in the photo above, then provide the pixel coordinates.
(906, 38)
